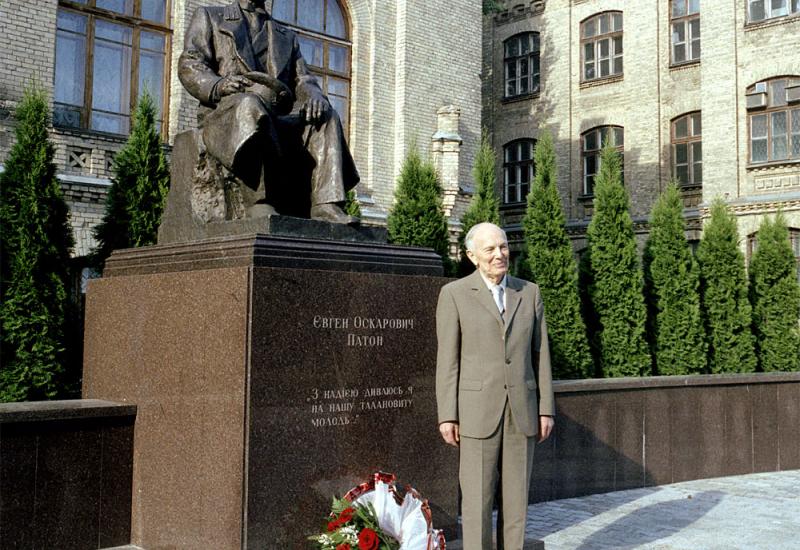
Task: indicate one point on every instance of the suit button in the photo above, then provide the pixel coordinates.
(505, 387)
(508, 361)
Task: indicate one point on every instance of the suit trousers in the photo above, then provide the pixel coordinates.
(511, 451)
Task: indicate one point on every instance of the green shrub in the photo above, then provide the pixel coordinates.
(485, 205)
(417, 218)
(672, 280)
(616, 287)
(552, 266)
(723, 294)
(139, 188)
(775, 297)
(36, 243)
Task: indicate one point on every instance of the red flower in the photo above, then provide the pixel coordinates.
(346, 515)
(343, 546)
(333, 525)
(368, 539)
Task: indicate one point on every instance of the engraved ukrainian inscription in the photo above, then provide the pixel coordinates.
(338, 407)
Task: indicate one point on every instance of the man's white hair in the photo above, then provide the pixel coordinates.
(469, 240)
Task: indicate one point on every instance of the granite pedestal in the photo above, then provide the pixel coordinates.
(263, 389)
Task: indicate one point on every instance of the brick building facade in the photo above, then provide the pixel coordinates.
(724, 119)
(394, 77)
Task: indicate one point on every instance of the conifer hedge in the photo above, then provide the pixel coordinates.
(139, 188)
(417, 218)
(36, 242)
(616, 279)
(672, 279)
(552, 266)
(485, 205)
(723, 294)
(775, 297)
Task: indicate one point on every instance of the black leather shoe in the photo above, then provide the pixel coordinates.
(330, 212)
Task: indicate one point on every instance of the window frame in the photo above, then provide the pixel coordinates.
(92, 13)
(768, 112)
(685, 20)
(518, 166)
(533, 57)
(596, 39)
(692, 138)
(792, 10)
(586, 189)
(324, 73)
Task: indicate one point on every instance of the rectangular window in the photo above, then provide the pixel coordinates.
(687, 150)
(759, 10)
(518, 170)
(602, 46)
(105, 61)
(685, 30)
(521, 61)
(758, 138)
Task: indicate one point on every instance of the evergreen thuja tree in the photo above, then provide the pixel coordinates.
(485, 205)
(417, 218)
(672, 281)
(139, 188)
(616, 287)
(552, 266)
(351, 205)
(775, 297)
(723, 294)
(36, 239)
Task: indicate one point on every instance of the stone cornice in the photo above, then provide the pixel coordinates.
(519, 11)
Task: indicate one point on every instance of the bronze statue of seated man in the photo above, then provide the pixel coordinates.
(263, 116)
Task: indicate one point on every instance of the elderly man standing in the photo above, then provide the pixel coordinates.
(493, 386)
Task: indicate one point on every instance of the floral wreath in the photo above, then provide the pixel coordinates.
(373, 516)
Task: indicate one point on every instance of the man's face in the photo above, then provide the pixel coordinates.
(490, 253)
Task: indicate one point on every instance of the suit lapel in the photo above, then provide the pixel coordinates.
(484, 296)
(513, 299)
(280, 48)
(236, 28)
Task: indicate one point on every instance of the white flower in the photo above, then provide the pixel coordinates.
(351, 534)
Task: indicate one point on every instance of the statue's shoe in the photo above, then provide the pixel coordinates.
(333, 213)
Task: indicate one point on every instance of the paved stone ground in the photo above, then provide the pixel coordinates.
(752, 512)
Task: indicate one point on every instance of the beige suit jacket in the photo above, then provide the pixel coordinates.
(482, 361)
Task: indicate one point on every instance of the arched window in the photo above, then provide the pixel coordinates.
(774, 119)
(518, 170)
(521, 60)
(601, 46)
(592, 143)
(687, 149)
(324, 36)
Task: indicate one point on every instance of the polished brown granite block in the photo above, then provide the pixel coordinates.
(265, 391)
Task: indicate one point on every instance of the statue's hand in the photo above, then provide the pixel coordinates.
(232, 85)
(316, 108)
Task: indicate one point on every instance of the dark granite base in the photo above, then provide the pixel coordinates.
(263, 392)
(612, 435)
(65, 474)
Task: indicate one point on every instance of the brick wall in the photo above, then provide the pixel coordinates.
(650, 94)
(410, 58)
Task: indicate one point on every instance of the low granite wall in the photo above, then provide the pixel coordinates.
(625, 433)
(65, 474)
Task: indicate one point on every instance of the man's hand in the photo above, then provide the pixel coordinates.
(315, 108)
(449, 431)
(230, 85)
(546, 424)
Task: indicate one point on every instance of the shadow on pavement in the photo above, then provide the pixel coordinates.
(653, 522)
